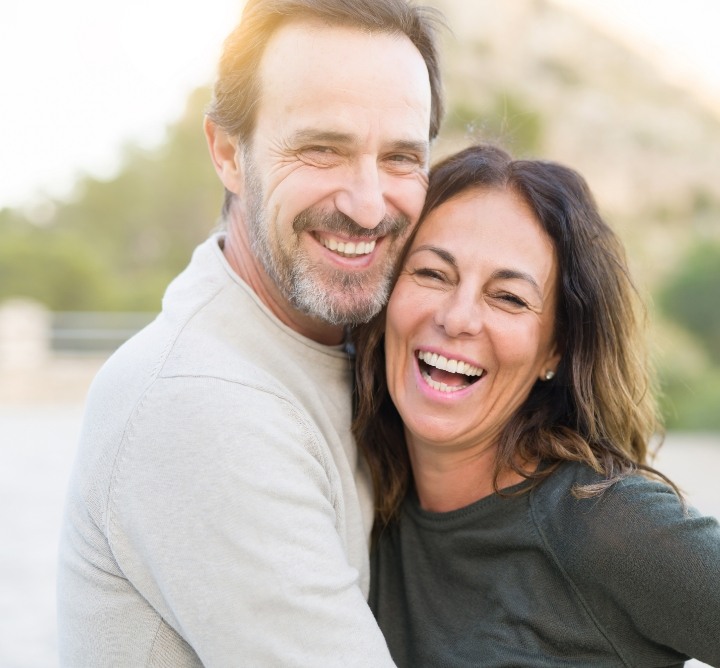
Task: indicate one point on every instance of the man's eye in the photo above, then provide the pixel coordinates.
(319, 152)
(320, 155)
(403, 162)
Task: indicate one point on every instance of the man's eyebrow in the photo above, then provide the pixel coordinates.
(411, 145)
(309, 135)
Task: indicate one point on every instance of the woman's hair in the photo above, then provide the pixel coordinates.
(600, 407)
(237, 90)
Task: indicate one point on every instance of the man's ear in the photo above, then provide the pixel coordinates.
(225, 156)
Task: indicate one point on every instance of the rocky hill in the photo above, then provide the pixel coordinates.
(545, 82)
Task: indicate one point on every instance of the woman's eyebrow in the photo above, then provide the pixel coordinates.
(514, 274)
(499, 274)
(443, 254)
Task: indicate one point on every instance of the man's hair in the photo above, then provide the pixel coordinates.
(600, 407)
(237, 89)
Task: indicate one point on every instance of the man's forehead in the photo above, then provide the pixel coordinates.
(335, 73)
(338, 55)
(306, 32)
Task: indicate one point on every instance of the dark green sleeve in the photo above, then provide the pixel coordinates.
(647, 568)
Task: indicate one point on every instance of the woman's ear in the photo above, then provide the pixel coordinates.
(549, 369)
(225, 156)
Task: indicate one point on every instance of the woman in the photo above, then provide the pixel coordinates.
(505, 409)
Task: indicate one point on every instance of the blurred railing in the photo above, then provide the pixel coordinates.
(94, 332)
(31, 335)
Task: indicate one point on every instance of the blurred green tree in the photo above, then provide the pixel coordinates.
(690, 400)
(116, 244)
(691, 296)
(508, 120)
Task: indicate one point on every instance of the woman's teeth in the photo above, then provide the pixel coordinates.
(451, 365)
(442, 387)
(459, 374)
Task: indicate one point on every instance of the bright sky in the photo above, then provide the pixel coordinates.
(81, 78)
(680, 36)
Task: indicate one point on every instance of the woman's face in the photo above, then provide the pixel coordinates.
(470, 321)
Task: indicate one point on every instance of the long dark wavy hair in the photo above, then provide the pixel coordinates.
(600, 407)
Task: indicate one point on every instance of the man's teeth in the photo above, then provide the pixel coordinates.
(453, 366)
(349, 248)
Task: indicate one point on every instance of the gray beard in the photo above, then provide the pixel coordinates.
(332, 296)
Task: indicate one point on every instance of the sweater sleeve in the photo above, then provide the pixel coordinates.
(647, 568)
(226, 514)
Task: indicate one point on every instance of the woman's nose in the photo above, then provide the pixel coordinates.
(460, 314)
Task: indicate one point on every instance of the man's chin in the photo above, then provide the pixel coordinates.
(341, 307)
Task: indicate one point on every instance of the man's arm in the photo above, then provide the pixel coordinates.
(226, 513)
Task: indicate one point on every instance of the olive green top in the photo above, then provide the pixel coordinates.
(545, 579)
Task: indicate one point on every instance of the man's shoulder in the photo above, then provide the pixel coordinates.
(172, 374)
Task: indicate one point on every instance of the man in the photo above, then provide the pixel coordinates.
(217, 513)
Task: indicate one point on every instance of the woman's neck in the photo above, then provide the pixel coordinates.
(448, 480)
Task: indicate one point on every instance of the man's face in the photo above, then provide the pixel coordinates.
(336, 172)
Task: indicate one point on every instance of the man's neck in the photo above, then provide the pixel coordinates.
(244, 263)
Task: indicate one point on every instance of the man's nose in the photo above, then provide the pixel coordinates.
(362, 198)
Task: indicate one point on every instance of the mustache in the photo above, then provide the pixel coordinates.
(338, 222)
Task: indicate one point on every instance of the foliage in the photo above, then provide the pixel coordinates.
(690, 400)
(52, 268)
(508, 120)
(116, 244)
(691, 297)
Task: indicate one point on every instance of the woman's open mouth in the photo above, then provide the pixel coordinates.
(447, 375)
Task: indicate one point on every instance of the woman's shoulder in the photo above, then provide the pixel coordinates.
(636, 555)
(561, 491)
(632, 506)
(634, 523)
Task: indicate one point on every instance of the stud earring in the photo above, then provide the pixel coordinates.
(549, 375)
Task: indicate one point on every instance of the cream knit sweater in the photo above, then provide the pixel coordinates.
(217, 515)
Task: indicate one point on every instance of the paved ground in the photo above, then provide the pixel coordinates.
(37, 443)
(37, 446)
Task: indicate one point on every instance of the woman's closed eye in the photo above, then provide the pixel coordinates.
(429, 273)
(512, 300)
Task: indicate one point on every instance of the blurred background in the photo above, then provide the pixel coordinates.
(106, 187)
